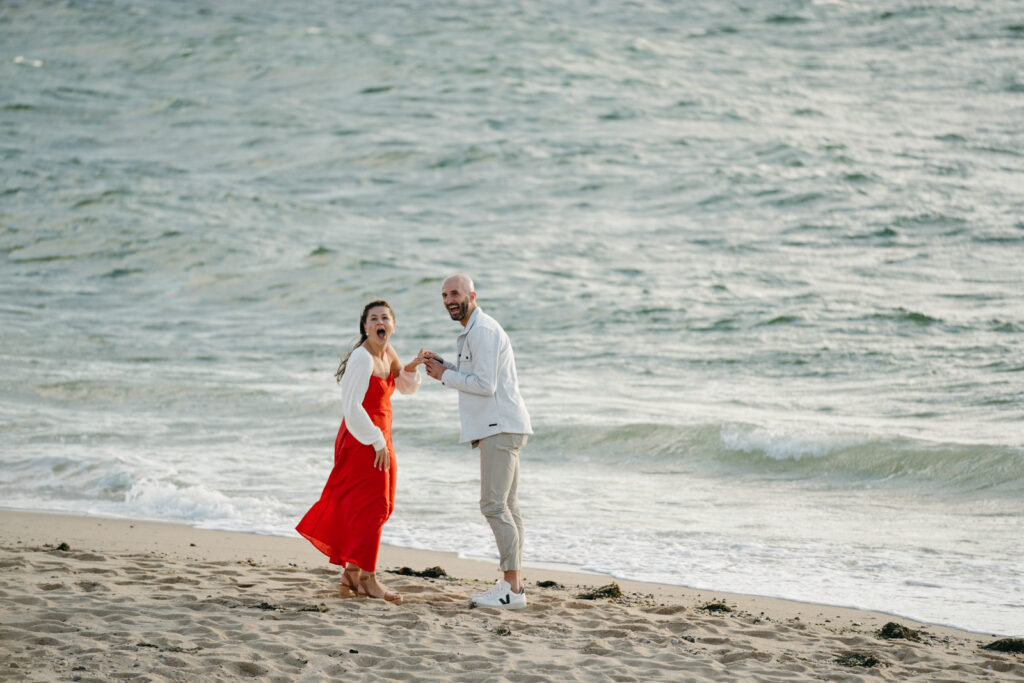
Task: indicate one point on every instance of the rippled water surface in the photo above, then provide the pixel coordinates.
(760, 262)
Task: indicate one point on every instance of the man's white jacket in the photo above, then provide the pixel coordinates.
(485, 377)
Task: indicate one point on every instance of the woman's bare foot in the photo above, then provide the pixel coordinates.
(372, 588)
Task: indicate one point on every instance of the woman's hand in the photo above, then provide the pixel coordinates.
(382, 461)
(417, 361)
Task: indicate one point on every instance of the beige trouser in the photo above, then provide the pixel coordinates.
(499, 500)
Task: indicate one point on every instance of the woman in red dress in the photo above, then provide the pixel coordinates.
(345, 524)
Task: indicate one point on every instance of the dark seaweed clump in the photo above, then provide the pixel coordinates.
(612, 590)
(428, 573)
(549, 584)
(1014, 645)
(715, 607)
(856, 659)
(314, 608)
(893, 630)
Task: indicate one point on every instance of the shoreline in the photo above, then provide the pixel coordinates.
(78, 526)
(198, 579)
(222, 546)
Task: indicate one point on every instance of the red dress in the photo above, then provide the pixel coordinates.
(345, 524)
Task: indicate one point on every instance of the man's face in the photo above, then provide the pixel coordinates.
(457, 298)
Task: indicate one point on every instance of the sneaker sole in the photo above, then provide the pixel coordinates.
(478, 604)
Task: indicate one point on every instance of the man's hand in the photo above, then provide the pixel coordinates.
(435, 368)
(383, 460)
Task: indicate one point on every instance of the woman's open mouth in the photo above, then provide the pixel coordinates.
(381, 334)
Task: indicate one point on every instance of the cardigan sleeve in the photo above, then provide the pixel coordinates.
(353, 390)
(407, 382)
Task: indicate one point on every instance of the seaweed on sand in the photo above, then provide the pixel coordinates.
(428, 573)
(715, 607)
(857, 659)
(1013, 645)
(893, 630)
(612, 590)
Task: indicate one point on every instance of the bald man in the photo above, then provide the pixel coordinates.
(494, 419)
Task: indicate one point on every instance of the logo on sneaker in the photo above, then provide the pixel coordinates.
(505, 600)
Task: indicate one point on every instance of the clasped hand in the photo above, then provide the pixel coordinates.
(433, 364)
(421, 359)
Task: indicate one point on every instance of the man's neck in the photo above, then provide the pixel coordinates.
(469, 316)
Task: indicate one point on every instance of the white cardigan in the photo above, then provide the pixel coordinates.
(354, 383)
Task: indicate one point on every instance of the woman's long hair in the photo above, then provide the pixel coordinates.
(362, 333)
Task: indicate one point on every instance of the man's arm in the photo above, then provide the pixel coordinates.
(484, 345)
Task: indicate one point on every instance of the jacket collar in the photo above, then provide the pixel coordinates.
(472, 321)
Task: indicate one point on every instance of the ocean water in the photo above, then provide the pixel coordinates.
(761, 264)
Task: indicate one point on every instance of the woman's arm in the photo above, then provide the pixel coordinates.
(407, 380)
(353, 390)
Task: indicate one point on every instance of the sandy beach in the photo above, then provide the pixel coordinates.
(96, 599)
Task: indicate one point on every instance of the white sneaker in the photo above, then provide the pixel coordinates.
(501, 596)
(496, 588)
